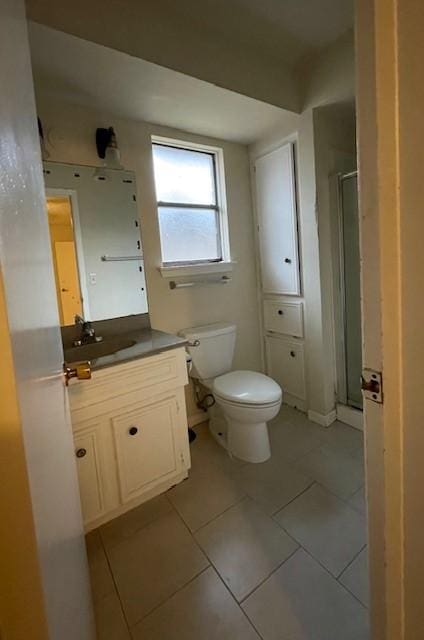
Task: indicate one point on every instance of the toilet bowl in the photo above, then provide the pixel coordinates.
(248, 401)
(245, 400)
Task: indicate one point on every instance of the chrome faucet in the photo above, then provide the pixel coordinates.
(88, 334)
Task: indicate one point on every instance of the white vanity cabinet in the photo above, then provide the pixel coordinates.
(130, 433)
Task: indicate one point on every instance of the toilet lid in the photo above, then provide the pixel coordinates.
(248, 387)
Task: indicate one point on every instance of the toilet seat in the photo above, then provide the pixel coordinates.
(247, 388)
(244, 405)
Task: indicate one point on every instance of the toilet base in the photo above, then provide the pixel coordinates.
(218, 429)
(249, 441)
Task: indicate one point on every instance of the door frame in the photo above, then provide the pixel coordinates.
(390, 98)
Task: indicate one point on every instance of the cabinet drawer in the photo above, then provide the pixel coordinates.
(147, 376)
(146, 441)
(284, 317)
(285, 360)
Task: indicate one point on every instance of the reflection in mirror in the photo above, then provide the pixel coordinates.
(96, 244)
(68, 291)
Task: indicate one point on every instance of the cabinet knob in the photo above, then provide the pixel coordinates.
(287, 260)
(132, 431)
(280, 312)
(80, 453)
(293, 354)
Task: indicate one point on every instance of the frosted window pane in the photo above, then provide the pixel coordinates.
(188, 235)
(183, 176)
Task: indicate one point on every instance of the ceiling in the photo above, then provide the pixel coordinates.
(95, 76)
(287, 30)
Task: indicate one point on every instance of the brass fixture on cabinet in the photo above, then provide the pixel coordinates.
(81, 371)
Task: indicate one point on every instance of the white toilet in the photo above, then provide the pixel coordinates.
(244, 400)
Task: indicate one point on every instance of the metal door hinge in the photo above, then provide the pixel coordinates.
(372, 385)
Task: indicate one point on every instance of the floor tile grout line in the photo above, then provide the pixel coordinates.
(193, 531)
(348, 499)
(269, 575)
(352, 594)
(239, 501)
(133, 533)
(352, 561)
(274, 513)
(271, 572)
(290, 536)
(160, 604)
(227, 588)
(212, 566)
(344, 500)
(347, 588)
(336, 578)
(215, 569)
(169, 597)
(115, 584)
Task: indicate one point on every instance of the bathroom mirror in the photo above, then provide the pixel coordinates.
(96, 243)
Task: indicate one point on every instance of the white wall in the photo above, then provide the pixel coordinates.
(72, 130)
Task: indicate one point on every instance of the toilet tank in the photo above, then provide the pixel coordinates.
(213, 356)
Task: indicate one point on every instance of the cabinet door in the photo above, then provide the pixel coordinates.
(88, 455)
(277, 221)
(285, 362)
(146, 440)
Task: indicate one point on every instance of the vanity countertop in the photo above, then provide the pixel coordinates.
(143, 343)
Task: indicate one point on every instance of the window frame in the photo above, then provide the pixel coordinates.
(220, 207)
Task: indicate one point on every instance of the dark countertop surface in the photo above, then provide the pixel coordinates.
(124, 348)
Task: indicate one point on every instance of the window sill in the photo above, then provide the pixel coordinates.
(196, 269)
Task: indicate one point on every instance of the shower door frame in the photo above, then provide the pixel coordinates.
(345, 412)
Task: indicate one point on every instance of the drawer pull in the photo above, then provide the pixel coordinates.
(287, 260)
(133, 431)
(280, 312)
(80, 453)
(293, 354)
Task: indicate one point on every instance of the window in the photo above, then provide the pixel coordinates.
(192, 219)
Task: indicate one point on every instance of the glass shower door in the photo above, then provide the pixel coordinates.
(352, 290)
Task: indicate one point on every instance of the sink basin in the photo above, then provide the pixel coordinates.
(97, 349)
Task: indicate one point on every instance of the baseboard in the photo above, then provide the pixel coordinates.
(197, 418)
(353, 417)
(294, 401)
(325, 420)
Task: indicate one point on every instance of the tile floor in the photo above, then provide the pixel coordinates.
(241, 552)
